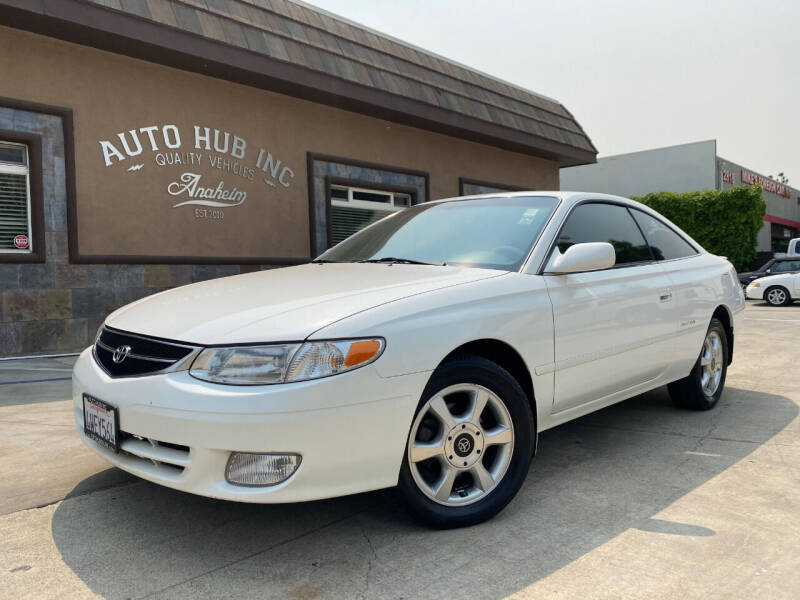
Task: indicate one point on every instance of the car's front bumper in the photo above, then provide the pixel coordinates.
(350, 429)
(754, 293)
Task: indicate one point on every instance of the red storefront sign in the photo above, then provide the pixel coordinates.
(769, 185)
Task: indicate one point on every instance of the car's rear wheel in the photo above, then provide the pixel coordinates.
(777, 296)
(703, 387)
(470, 444)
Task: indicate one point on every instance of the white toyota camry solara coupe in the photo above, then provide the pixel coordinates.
(426, 351)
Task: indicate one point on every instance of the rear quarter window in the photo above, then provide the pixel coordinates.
(665, 243)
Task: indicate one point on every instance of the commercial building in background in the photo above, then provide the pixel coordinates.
(686, 168)
(150, 144)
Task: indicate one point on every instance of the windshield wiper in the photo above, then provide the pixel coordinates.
(320, 261)
(404, 261)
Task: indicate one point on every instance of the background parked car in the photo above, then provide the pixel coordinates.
(771, 267)
(777, 290)
(793, 248)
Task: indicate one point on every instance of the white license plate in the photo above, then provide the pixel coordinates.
(101, 422)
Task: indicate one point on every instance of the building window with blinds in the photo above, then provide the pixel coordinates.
(353, 208)
(15, 203)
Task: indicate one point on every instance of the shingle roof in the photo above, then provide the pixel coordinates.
(296, 34)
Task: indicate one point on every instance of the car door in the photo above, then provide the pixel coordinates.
(612, 328)
(693, 296)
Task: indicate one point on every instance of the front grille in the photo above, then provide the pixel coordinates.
(170, 459)
(145, 355)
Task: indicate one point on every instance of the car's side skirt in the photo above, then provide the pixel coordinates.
(589, 407)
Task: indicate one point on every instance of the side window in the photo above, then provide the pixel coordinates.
(597, 222)
(780, 266)
(664, 242)
(785, 266)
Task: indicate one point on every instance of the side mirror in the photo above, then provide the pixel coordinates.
(768, 271)
(590, 256)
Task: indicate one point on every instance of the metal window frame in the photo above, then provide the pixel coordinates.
(362, 184)
(384, 209)
(7, 168)
(369, 204)
(34, 142)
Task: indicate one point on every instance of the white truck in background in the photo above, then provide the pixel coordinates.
(792, 250)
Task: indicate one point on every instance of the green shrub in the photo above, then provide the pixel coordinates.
(724, 222)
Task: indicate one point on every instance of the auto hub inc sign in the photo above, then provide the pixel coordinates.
(210, 167)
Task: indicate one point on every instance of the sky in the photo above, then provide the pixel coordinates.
(636, 75)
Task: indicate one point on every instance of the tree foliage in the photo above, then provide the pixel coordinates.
(724, 222)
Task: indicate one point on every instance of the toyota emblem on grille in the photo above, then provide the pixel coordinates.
(121, 353)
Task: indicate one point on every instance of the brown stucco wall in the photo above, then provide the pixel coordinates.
(130, 212)
(57, 306)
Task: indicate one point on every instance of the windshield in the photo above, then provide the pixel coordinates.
(491, 233)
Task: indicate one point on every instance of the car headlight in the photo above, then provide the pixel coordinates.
(284, 363)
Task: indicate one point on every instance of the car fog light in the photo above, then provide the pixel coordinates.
(256, 470)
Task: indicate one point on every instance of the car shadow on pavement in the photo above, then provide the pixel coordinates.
(593, 479)
(105, 479)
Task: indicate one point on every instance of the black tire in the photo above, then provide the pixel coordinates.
(470, 369)
(689, 392)
(780, 297)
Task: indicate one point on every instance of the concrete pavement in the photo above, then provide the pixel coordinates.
(638, 500)
(41, 458)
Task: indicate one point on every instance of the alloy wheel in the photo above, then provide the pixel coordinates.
(712, 362)
(776, 296)
(460, 445)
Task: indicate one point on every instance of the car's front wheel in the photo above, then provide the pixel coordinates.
(777, 296)
(470, 444)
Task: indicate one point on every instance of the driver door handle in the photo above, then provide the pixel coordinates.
(665, 297)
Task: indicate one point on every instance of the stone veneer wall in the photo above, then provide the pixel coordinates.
(56, 306)
(473, 189)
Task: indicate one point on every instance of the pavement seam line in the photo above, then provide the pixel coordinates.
(69, 426)
(35, 380)
(80, 495)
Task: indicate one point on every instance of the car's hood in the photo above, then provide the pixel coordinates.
(281, 304)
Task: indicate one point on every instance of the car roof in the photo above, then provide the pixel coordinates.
(563, 195)
(567, 198)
